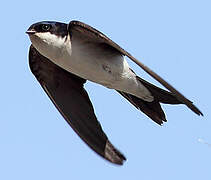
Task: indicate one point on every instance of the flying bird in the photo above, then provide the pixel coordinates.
(64, 56)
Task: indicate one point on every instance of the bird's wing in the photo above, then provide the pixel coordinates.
(91, 34)
(67, 93)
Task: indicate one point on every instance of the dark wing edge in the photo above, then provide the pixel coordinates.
(70, 98)
(82, 27)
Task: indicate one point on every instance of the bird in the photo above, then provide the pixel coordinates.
(63, 57)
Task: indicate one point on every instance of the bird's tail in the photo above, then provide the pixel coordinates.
(152, 109)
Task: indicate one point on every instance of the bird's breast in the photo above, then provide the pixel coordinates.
(94, 62)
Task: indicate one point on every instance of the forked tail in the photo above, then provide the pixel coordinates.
(152, 109)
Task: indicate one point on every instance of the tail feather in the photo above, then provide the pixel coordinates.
(160, 95)
(152, 109)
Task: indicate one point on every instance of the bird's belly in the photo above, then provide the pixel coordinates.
(102, 69)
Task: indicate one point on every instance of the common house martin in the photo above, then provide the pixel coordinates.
(63, 56)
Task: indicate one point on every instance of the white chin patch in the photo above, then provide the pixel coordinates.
(50, 39)
(48, 44)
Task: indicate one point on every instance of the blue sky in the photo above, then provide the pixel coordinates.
(171, 37)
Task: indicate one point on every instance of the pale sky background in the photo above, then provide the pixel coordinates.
(171, 37)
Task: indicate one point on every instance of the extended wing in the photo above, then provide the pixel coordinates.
(67, 93)
(91, 34)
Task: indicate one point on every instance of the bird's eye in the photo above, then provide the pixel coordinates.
(46, 27)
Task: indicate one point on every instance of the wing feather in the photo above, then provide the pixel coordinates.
(67, 93)
(94, 35)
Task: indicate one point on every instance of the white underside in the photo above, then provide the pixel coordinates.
(92, 62)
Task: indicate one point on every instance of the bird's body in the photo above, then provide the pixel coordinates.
(98, 63)
(63, 57)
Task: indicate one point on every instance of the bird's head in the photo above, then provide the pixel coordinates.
(48, 37)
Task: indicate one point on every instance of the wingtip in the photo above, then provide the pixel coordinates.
(113, 155)
(195, 109)
(201, 114)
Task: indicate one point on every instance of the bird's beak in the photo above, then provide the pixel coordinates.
(30, 31)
